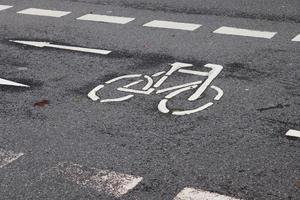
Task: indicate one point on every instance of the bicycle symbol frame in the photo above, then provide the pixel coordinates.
(150, 87)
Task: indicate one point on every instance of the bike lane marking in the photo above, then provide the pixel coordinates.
(196, 194)
(4, 7)
(293, 133)
(244, 32)
(43, 12)
(7, 157)
(12, 83)
(103, 181)
(106, 18)
(296, 39)
(172, 25)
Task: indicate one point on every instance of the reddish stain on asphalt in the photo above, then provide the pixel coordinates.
(41, 103)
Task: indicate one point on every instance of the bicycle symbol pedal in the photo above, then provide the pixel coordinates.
(151, 86)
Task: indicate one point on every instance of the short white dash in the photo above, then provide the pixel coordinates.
(7, 157)
(172, 25)
(296, 39)
(103, 181)
(194, 194)
(293, 133)
(106, 18)
(4, 7)
(43, 12)
(245, 32)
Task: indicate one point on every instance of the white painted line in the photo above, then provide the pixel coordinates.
(7, 157)
(194, 194)
(8, 82)
(106, 18)
(4, 7)
(244, 32)
(296, 39)
(172, 25)
(43, 12)
(103, 181)
(293, 133)
(71, 48)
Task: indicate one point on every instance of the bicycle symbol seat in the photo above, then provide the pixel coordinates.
(151, 86)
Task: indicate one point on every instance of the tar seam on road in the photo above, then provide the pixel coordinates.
(43, 12)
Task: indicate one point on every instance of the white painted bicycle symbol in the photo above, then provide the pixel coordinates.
(150, 86)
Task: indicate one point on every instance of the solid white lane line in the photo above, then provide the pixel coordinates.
(71, 48)
(172, 25)
(43, 12)
(106, 18)
(296, 39)
(7, 157)
(293, 133)
(194, 194)
(103, 181)
(8, 82)
(244, 32)
(4, 7)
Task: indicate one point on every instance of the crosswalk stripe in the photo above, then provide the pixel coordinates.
(7, 157)
(4, 7)
(244, 32)
(293, 133)
(43, 12)
(196, 194)
(296, 39)
(172, 25)
(106, 18)
(103, 181)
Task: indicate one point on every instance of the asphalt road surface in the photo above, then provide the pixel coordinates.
(73, 125)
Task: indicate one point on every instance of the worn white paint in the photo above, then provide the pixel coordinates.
(296, 39)
(293, 133)
(64, 47)
(220, 92)
(4, 7)
(188, 112)
(12, 83)
(106, 18)
(7, 157)
(196, 194)
(245, 32)
(43, 12)
(172, 25)
(103, 181)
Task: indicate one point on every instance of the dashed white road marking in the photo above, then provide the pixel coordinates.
(195, 194)
(7, 157)
(4, 7)
(293, 133)
(106, 18)
(104, 181)
(43, 12)
(296, 39)
(172, 25)
(244, 32)
(12, 83)
(72, 48)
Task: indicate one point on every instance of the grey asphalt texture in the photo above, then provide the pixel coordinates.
(237, 147)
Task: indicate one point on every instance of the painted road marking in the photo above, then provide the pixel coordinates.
(12, 83)
(244, 32)
(194, 194)
(4, 7)
(293, 133)
(106, 18)
(296, 39)
(103, 181)
(43, 12)
(7, 157)
(172, 25)
(72, 48)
